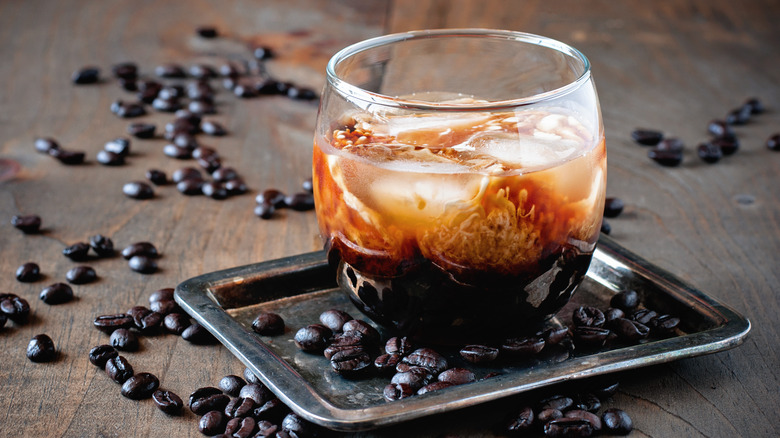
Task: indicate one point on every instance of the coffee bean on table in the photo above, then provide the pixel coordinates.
(108, 158)
(644, 316)
(28, 224)
(257, 392)
(190, 187)
(587, 402)
(224, 174)
(102, 245)
(119, 146)
(244, 90)
(129, 110)
(157, 177)
(739, 116)
(727, 146)
(773, 142)
(169, 71)
(161, 294)
(99, 355)
(124, 339)
(617, 422)
(210, 127)
(720, 128)
(426, 358)
(57, 293)
(302, 201)
(613, 207)
(239, 407)
(236, 186)
(41, 349)
(231, 385)
(140, 248)
(142, 264)
(165, 307)
(176, 323)
(197, 334)
(214, 190)
(45, 144)
(81, 275)
(119, 369)
(68, 157)
(208, 399)
(667, 158)
(168, 401)
(212, 423)
(140, 386)
(86, 75)
(647, 137)
(145, 319)
(125, 70)
(178, 152)
(709, 153)
(141, 130)
(15, 308)
(568, 428)
(264, 211)
(109, 323)
(625, 300)
(28, 272)
(76, 252)
(268, 324)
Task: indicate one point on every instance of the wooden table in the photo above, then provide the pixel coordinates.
(669, 65)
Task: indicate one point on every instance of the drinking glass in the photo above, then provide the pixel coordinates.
(459, 179)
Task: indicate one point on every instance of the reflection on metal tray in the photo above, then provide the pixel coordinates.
(300, 287)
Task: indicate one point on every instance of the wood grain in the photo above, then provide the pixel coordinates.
(670, 65)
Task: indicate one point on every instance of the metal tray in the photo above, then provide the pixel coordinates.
(300, 287)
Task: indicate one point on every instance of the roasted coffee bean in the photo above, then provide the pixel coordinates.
(398, 345)
(773, 142)
(212, 423)
(606, 390)
(176, 323)
(553, 335)
(99, 355)
(210, 127)
(76, 252)
(644, 316)
(164, 307)
(147, 95)
(588, 316)
(157, 177)
(549, 414)
(593, 419)
(370, 334)
(142, 264)
(119, 369)
(130, 110)
(244, 90)
(282, 87)
(244, 427)
(266, 87)
(416, 377)
(203, 393)
(720, 128)
(68, 157)
(629, 330)
(709, 153)
(479, 353)
(86, 75)
(145, 319)
(739, 116)
(109, 323)
(129, 84)
(138, 190)
(141, 130)
(123, 339)
(231, 385)
(617, 422)
(202, 107)
(169, 71)
(108, 158)
(236, 186)
(161, 294)
(522, 347)
(268, 324)
(201, 71)
(587, 402)
(756, 107)
(348, 340)
(197, 334)
(386, 363)
(296, 425)
(28, 224)
(180, 126)
(224, 174)
(668, 158)
(171, 93)
(257, 392)
(15, 308)
(202, 152)
(187, 141)
(210, 163)
(521, 422)
(435, 386)
(28, 272)
(119, 146)
(351, 363)
(273, 411)
(625, 300)
(250, 377)
(239, 407)
(208, 402)
(568, 428)
(214, 190)
(168, 401)
(81, 275)
(397, 391)
(190, 187)
(178, 152)
(590, 336)
(102, 245)
(185, 173)
(613, 207)
(664, 324)
(267, 429)
(57, 293)
(41, 349)
(647, 137)
(313, 338)
(45, 144)
(457, 376)
(302, 201)
(613, 313)
(228, 70)
(727, 146)
(301, 93)
(125, 70)
(273, 197)
(334, 319)
(264, 211)
(140, 248)
(263, 52)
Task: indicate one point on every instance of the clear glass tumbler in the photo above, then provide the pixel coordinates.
(459, 179)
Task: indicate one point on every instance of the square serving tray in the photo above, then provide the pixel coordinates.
(300, 287)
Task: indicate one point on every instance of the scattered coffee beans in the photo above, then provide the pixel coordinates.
(102, 245)
(57, 293)
(141, 130)
(86, 75)
(142, 264)
(29, 224)
(28, 272)
(99, 355)
(168, 402)
(140, 386)
(41, 349)
(118, 369)
(124, 339)
(81, 275)
(76, 252)
(140, 248)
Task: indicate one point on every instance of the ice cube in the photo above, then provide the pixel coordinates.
(522, 151)
(434, 130)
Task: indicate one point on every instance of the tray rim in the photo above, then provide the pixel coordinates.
(194, 296)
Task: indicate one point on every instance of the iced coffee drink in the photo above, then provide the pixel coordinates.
(476, 220)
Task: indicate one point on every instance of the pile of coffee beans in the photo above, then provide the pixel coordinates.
(669, 151)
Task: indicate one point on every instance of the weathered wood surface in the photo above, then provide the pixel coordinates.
(671, 65)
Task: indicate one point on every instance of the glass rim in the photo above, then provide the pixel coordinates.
(347, 89)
